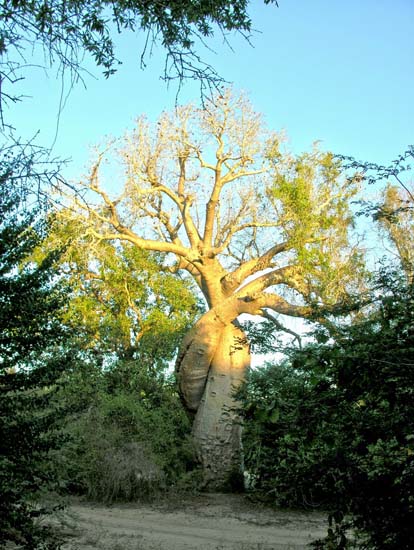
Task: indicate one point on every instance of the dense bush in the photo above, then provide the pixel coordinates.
(337, 429)
(290, 439)
(128, 433)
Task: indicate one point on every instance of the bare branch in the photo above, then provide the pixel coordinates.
(125, 234)
(237, 228)
(212, 206)
(191, 268)
(182, 201)
(203, 163)
(233, 175)
(279, 326)
(234, 279)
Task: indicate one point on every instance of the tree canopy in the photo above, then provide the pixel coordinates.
(212, 187)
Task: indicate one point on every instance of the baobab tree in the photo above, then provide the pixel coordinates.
(261, 231)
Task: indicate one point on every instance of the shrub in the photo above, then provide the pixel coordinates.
(292, 446)
(111, 468)
(125, 443)
(337, 429)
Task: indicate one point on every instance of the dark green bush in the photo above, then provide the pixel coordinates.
(335, 425)
(33, 356)
(292, 444)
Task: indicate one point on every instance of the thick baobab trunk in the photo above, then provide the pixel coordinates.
(217, 426)
(211, 366)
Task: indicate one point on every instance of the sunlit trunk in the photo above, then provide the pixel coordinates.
(217, 426)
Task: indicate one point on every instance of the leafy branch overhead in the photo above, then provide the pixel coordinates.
(372, 172)
(65, 30)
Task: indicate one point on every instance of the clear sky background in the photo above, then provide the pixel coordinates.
(329, 70)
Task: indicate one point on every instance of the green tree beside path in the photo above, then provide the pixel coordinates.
(32, 359)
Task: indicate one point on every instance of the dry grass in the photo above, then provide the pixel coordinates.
(126, 473)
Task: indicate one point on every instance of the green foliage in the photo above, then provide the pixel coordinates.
(312, 200)
(124, 300)
(289, 444)
(32, 358)
(334, 426)
(396, 219)
(128, 433)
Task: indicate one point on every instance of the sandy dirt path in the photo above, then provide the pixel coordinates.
(207, 522)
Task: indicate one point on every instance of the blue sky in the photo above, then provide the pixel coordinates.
(329, 70)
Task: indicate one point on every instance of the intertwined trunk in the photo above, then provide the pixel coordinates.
(211, 366)
(217, 426)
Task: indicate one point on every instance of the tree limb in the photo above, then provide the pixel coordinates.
(234, 279)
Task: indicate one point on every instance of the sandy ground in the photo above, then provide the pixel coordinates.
(207, 522)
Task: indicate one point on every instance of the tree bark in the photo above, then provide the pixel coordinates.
(217, 425)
